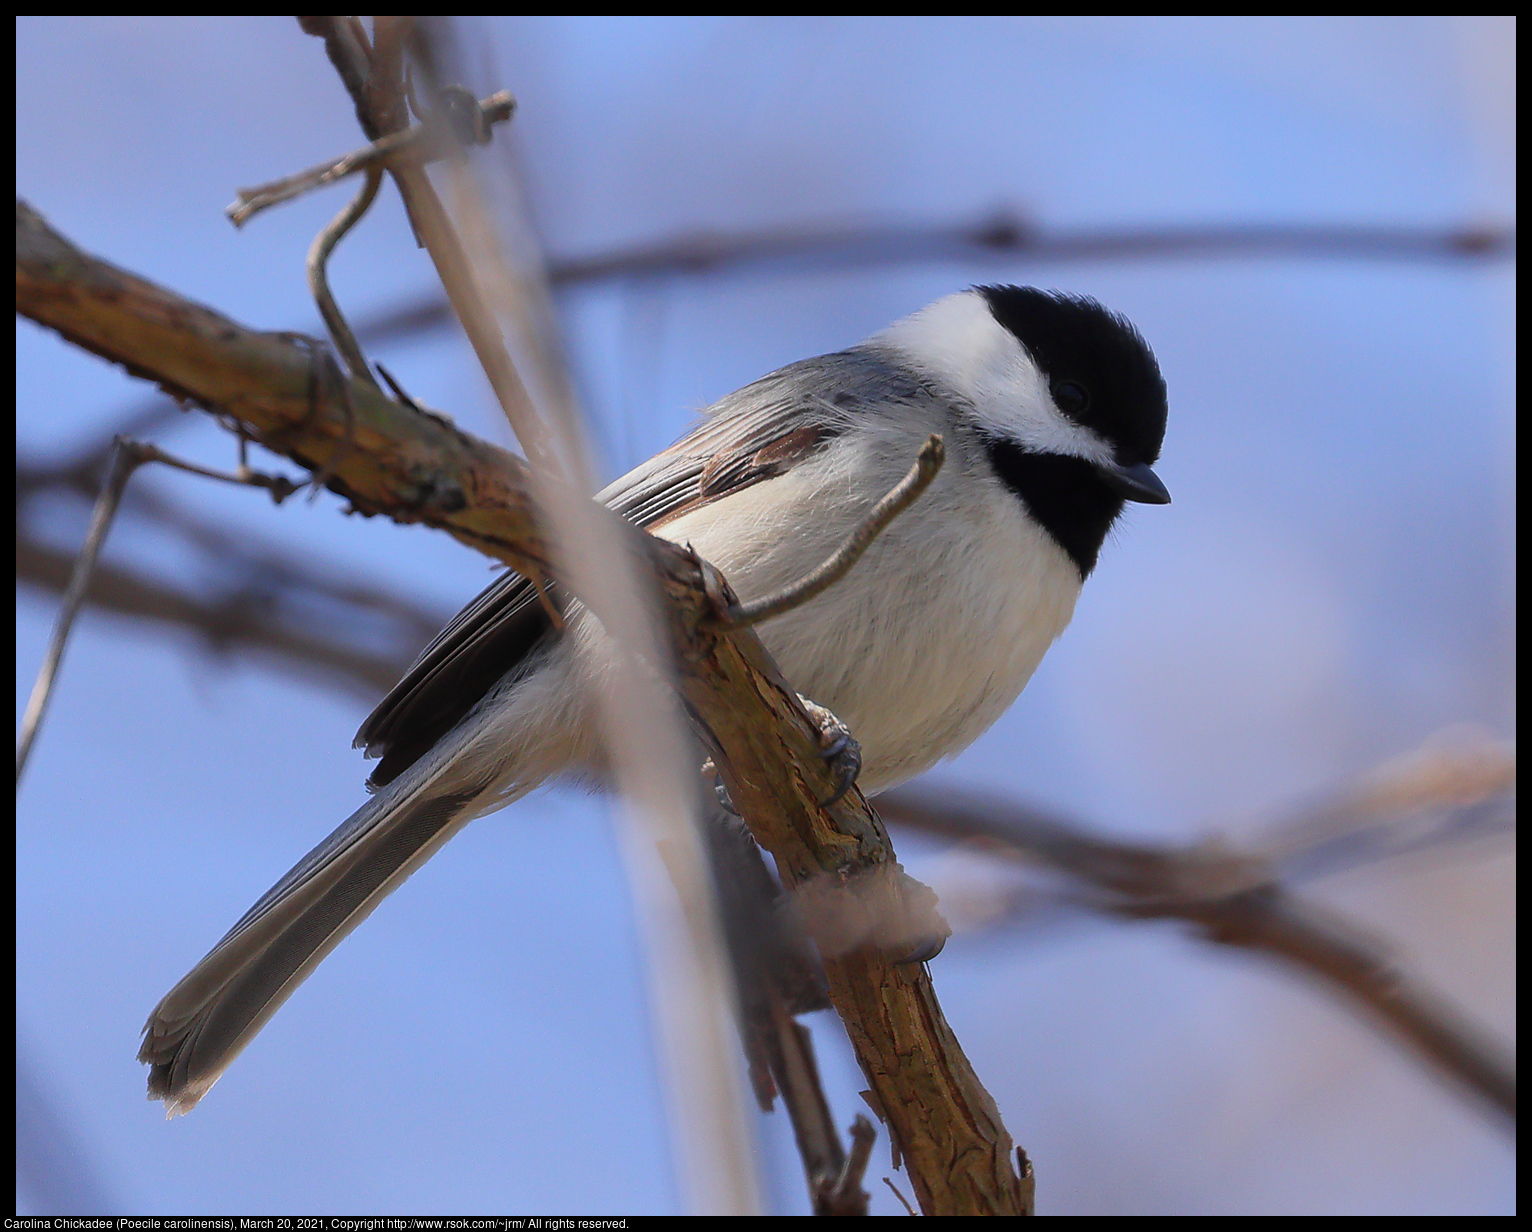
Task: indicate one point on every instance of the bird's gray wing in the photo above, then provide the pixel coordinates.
(752, 435)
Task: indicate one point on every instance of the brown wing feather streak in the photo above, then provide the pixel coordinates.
(754, 435)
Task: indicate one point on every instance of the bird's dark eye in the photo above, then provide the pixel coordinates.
(1071, 397)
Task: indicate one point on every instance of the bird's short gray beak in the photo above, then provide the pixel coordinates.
(1137, 483)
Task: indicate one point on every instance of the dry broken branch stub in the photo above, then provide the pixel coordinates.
(416, 468)
(280, 486)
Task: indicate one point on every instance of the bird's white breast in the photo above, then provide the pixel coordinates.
(934, 632)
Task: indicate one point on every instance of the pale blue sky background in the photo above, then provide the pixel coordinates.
(1331, 586)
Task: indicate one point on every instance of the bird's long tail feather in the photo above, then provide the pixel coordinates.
(208, 1018)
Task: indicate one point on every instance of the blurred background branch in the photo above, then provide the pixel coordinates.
(1242, 894)
(987, 245)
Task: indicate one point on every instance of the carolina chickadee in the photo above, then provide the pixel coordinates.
(1052, 410)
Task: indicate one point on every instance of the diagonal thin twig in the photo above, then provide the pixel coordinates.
(903, 1201)
(125, 461)
(742, 615)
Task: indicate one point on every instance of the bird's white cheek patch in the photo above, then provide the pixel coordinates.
(1013, 396)
(960, 343)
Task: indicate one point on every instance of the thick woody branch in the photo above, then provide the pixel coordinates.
(419, 468)
(940, 1117)
(284, 392)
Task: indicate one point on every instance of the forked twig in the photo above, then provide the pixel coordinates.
(422, 143)
(127, 458)
(280, 486)
(741, 615)
(844, 1194)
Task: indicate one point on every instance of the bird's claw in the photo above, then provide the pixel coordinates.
(837, 746)
(725, 801)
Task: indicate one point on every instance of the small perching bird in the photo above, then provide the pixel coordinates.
(1052, 410)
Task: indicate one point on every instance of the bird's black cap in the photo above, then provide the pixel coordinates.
(1077, 342)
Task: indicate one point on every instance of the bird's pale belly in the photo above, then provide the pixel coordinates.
(925, 643)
